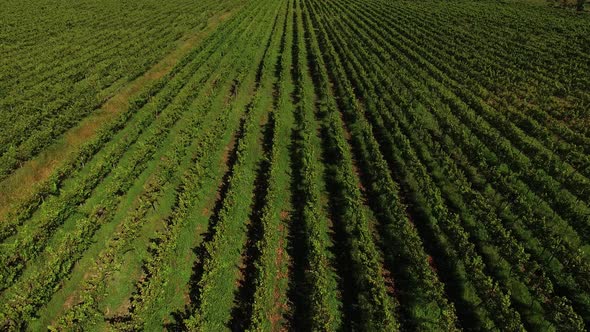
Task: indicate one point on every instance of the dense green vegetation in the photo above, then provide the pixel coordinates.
(61, 60)
(314, 165)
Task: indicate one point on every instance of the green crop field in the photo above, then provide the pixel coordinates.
(294, 165)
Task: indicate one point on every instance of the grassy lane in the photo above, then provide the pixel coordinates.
(368, 305)
(313, 290)
(268, 302)
(266, 98)
(217, 275)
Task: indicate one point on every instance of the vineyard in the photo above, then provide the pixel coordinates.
(270, 165)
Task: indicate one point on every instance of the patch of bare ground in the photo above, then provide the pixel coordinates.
(280, 306)
(70, 301)
(212, 209)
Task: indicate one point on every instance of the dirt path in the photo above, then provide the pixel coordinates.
(21, 184)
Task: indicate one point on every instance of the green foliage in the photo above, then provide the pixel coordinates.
(380, 165)
(97, 48)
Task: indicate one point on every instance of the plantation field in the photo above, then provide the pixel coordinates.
(270, 165)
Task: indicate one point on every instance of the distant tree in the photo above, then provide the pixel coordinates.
(580, 5)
